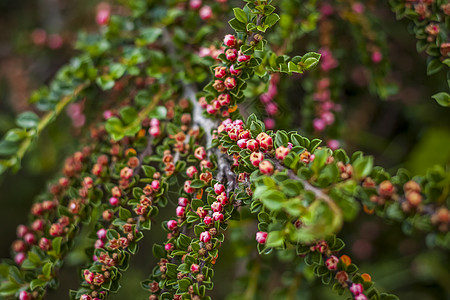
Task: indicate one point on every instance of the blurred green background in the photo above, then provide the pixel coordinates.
(408, 130)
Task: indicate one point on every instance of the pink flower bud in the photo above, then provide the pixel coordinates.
(187, 187)
(217, 216)
(319, 124)
(356, 289)
(24, 295)
(85, 297)
(361, 297)
(207, 220)
(172, 225)
(333, 144)
(229, 40)
(256, 158)
(200, 153)
(99, 244)
(231, 54)
(242, 57)
(154, 122)
(56, 230)
(266, 167)
(113, 201)
(377, 57)
(222, 198)
(126, 173)
(216, 206)
(220, 72)
(332, 262)
(230, 83)
(327, 117)
(210, 109)
(252, 145)
(45, 244)
(234, 71)
(154, 131)
(219, 188)
(242, 143)
(183, 201)
(180, 211)
(205, 13)
(224, 99)
(205, 237)
(37, 225)
(195, 4)
(155, 185)
(281, 152)
(101, 233)
(102, 17)
(19, 258)
(216, 104)
(195, 268)
(261, 237)
(168, 247)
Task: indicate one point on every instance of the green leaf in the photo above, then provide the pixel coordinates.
(273, 199)
(237, 25)
(124, 214)
(15, 135)
(160, 112)
(310, 60)
(158, 251)
(271, 20)
(362, 166)
(128, 114)
(240, 15)
(275, 239)
(442, 98)
(8, 288)
(197, 184)
(27, 119)
(37, 283)
(56, 245)
(434, 66)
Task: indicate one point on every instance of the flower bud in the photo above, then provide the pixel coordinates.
(155, 185)
(172, 225)
(180, 211)
(230, 83)
(101, 233)
(219, 86)
(219, 188)
(266, 167)
(195, 268)
(222, 198)
(261, 237)
(205, 13)
(19, 258)
(356, 289)
(216, 206)
(37, 225)
(252, 145)
(154, 131)
(187, 187)
(24, 295)
(168, 247)
(386, 189)
(182, 201)
(200, 153)
(234, 71)
(242, 143)
(229, 40)
(224, 99)
(332, 262)
(45, 244)
(56, 230)
(265, 141)
(281, 152)
(29, 238)
(256, 158)
(113, 201)
(207, 220)
(231, 54)
(217, 216)
(205, 237)
(220, 72)
(242, 57)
